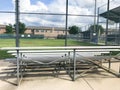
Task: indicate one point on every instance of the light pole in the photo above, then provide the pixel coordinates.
(106, 33)
(94, 32)
(95, 14)
(98, 24)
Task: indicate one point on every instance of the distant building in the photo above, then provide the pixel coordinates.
(2, 29)
(48, 32)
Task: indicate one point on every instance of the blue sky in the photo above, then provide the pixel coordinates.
(82, 7)
(6, 5)
(45, 1)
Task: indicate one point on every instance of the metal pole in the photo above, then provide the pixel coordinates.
(17, 36)
(91, 34)
(119, 69)
(66, 23)
(74, 65)
(119, 34)
(98, 25)
(17, 23)
(106, 33)
(95, 15)
(69, 63)
(116, 34)
(94, 32)
(109, 63)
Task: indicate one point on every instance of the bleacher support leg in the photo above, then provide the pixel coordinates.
(18, 66)
(74, 65)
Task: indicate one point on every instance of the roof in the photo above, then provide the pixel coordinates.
(2, 26)
(45, 28)
(113, 14)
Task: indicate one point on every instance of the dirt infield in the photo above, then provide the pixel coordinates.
(99, 80)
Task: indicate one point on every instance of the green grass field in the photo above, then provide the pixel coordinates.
(42, 42)
(37, 42)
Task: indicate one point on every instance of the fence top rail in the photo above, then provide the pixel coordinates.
(59, 48)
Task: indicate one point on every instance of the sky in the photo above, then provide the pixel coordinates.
(81, 7)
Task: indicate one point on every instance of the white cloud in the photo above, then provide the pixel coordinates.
(57, 6)
(27, 6)
(82, 7)
(7, 19)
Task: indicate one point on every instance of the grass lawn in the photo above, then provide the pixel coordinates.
(37, 42)
(41, 42)
(7, 42)
(4, 54)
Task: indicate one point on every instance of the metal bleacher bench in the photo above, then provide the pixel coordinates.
(69, 55)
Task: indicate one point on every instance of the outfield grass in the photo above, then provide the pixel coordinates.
(41, 42)
(7, 42)
(37, 42)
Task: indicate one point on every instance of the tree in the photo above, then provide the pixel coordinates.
(9, 29)
(22, 27)
(95, 32)
(98, 29)
(74, 30)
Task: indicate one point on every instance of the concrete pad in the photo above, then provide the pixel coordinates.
(53, 84)
(7, 79)
(104, 83)
(98, 80)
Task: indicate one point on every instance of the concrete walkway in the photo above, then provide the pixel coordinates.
(99, 80)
